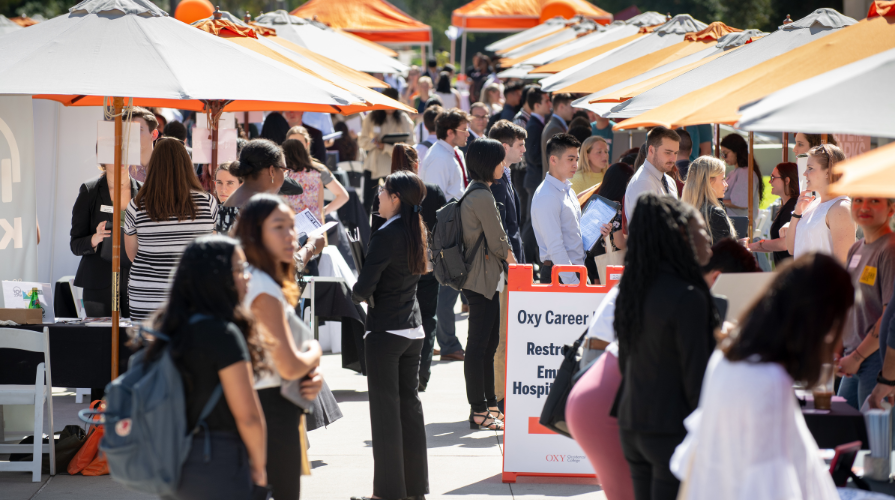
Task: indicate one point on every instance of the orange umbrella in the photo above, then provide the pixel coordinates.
(871, 174)
(693, 43)
(507, 62)
(720, 103)
(515, 15)
(563, 64)
(375, 20)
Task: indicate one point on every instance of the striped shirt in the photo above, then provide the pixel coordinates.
(160, 246)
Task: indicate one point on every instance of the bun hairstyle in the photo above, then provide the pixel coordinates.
(256, 156)
(411, 191)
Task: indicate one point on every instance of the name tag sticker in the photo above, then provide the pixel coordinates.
(868, 276)
(855, 259)
(106, 209)
(615, 276)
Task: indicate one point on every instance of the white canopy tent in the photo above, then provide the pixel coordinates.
(546, 28)
(818, 24)
(725, 43)
(850, 108)
(330, 43)
(666, 35)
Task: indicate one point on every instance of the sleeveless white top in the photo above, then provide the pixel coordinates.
(262, 283)
(813, 235)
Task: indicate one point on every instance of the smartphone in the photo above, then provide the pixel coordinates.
(802, 163)
(302, 239)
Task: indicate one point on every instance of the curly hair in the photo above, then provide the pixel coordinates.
(658, 236)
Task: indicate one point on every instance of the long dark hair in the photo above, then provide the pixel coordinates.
(170, 182)
(444, 83)
(345, 145)
(615, 182)
(249, 230)
(297, 157)
(658, 235)
(789, 170)
(738, 145)
(380, 115)
(411, 190)
(404, 158)
(790, 324)
(275, 128)
(203, 284)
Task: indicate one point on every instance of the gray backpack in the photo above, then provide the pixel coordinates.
(146, 438)
(446, 243)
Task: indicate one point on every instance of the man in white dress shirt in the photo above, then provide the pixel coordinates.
(444, 165)
(429, 117)
(652, 176)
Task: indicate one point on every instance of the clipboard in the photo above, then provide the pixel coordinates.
(358, 254)
(394, 138)
(599, 211)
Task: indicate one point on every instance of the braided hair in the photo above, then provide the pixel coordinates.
(658, 235)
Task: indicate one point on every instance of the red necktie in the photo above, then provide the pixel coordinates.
(462, 169)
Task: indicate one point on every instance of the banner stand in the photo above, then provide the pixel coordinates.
(541, 318)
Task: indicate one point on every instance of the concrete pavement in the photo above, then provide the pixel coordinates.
(462, 462)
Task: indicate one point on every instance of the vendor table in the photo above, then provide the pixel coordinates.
(842, 424)
(79, 357)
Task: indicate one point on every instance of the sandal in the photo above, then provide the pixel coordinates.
(496, 413)
(487, 423)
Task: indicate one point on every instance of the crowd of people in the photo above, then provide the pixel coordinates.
(522, 165)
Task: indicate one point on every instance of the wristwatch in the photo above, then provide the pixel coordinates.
(881, 380)
(797, 216)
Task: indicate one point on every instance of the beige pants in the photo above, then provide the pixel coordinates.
(500, 357)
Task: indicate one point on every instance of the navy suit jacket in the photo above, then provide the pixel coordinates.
(533, 167)
(510, 209)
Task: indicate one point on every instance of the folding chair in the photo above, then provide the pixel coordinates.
(42, 390)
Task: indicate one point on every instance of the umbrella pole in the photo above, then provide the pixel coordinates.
(463, 52)
(717, 134)
(823, 138)
(751, 177)
(118, 104)
(245, 123)
(785, 147)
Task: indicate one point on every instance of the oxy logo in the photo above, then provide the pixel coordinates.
(555, 458)
(572, 459)
(10, 173)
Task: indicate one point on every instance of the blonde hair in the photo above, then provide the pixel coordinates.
(586, 146)
(426, 80)
(299, 130)
(698, 190)
(487, 90)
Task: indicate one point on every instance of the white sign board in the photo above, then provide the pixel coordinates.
(17, 295)
(202, 145)
(540, 320)
(226, 120)
(105, 143)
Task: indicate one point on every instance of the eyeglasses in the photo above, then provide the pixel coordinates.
(480, 117)
(241, 269)
(774, 177)
(465, 131)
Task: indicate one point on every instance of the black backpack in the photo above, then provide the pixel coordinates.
(446, 243)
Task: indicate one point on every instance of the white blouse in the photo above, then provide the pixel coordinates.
(748, 439)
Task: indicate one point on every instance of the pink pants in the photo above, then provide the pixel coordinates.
(587, 414)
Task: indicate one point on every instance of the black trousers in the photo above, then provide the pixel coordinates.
(648, 455)
(481, 344)
(98, 302)
(400, 464)
(283, 444)
(227, 475)
(427, 296)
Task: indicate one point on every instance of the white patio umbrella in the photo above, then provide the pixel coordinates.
(666, 35)
(565, 36)
(132, 49)
(725, 43)
(818, 24)
(7, 26)
(849, 107)
(549, 26)
(330, 43)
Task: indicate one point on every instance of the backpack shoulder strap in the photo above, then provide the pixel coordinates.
(206, 410)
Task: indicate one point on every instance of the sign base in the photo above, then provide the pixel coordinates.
(510, 477)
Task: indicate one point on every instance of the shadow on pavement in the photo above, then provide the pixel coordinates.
(442, 434)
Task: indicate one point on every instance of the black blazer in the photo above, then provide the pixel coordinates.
(718, 223)
(387, 278)
(433, 202)
(662, 377)
(94, 272)
(533, 168)
(510, 209)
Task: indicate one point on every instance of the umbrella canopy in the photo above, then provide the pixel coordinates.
(329, 43)
(730, 42)
(25, 21)
(131, 48)
(7, 26)
(668, 34)
(720, 103)
(871, 174)
(246, 37)
(514, 15)
(525, 36)
(375, 20)
(695, 45)
(558, 39)
(849, 109)
(595, 46)
(373, 45)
